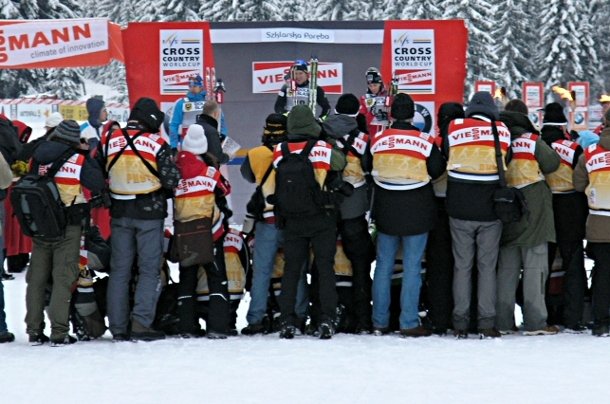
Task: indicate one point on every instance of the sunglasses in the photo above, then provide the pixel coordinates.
(194, 84)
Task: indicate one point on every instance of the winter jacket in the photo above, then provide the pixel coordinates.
(570, 210)
(335, 127)
(149, 206)
(177, 115)
(470, 200)
(280, 102)
(368, 110)
(91, 130)
(199, 204)
(598, 226)
(408, 212)
(537, 227)
(91, 175)
(210, 126)
(9, 141)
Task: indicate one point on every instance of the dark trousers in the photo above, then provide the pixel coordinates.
(320, 232)
(439, 271)
(574, 283)
(219, 307)
(359, 249)
(601, 283)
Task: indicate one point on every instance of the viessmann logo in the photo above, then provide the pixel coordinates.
(25, 42)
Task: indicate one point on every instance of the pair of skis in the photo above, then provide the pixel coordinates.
(313, 84)
(389, 99)
(212, 92)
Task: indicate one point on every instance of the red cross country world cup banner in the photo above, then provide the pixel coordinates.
(268, 77)
(59, 43)
(160, 58)
(428, 59)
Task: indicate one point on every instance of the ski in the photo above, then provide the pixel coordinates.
(313, 83)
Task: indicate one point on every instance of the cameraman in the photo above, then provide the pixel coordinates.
(352, 225)
(404, 161)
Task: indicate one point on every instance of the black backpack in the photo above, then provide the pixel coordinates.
(297, 193)
(37, 202)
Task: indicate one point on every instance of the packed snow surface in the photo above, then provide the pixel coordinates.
(264, 369)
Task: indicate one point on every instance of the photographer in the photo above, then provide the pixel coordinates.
(404, 160)
(59, 257)
(302, 166)
(352, 225)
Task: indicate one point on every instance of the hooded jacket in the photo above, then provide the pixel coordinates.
(336, 127)
(537, 227)
(90, 130)
(598, 226)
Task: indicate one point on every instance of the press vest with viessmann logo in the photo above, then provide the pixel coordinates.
(598, 191)
(472, 154)
(524, 169)
(129, 176)
(560, 181)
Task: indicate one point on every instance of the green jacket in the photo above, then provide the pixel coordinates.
(538, 226)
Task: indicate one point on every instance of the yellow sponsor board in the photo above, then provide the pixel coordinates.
(76, 112)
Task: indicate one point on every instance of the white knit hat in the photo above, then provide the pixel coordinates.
(195, 140)
(53, 120)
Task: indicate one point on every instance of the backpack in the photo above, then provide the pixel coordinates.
(297, 193)
(37, 203)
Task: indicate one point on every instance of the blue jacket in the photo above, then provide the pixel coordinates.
(174, 134)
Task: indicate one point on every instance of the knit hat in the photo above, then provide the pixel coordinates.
(67, 130)
(373, 75)
(195, 140)
(483, 103)
(403, 107)
(275, 125)
(53, 120)
(516, 106)
(553, 115)
(148, 114)
(447, 112)
(302, 122)
(347, 104)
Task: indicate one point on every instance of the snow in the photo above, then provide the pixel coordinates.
(264, 369)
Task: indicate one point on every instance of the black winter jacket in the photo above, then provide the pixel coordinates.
(210, 126)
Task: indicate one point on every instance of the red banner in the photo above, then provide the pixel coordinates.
(160, 57)
(428, 58)
(59, 43)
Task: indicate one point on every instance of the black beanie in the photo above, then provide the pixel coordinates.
(516, 106)
(348, 104)
(148, 114)
(403, 107)
(275, 125)
(553, 115)
(449, 111)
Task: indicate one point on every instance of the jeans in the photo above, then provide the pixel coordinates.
(268, 240)
(412, 253)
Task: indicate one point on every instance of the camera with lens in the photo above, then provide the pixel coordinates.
(336, 184)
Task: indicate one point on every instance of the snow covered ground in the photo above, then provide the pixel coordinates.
(264, 369)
